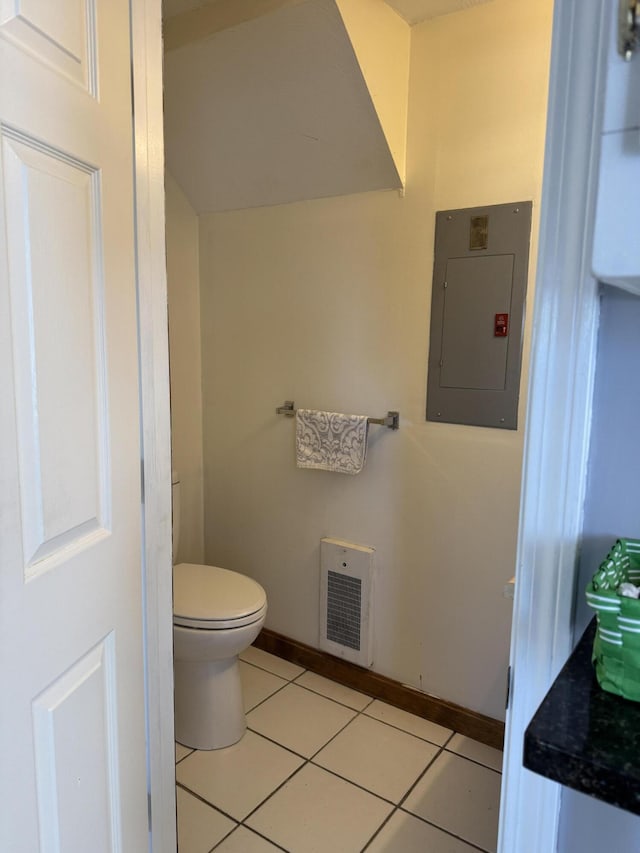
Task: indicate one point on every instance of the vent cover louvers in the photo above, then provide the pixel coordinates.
(346, 583)
(344, 609)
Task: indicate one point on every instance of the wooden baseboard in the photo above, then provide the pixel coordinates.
(467, 722)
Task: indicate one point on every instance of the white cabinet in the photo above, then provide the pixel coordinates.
(616, 250)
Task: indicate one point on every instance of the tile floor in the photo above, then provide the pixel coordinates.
(324, 769)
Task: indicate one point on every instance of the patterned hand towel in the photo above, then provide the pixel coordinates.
(331, 441)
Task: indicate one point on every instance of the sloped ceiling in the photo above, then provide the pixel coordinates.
(272, 110)
(266, 101)
(412, 11)
(176, 7)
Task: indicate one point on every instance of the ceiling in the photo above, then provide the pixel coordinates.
(412, 11)
(415, 11)
(266, 102)
(271, 111)
(176, 7)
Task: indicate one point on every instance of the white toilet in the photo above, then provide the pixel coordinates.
(217, 614)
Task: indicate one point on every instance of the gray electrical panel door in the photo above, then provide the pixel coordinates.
(477, 314)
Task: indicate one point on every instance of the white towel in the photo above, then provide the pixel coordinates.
(331, 441)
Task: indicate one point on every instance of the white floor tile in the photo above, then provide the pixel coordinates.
(298, 719)
(278, 666)
(417, 726)
(479, 752)
(461, 797)
(181, 751)
(200, 827)
(242, 840)
(333, 690)
(407, 834)
(382, 759)
(238, 778)
(315, 812)
(257, 684)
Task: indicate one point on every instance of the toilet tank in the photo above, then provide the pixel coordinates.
(175, 514)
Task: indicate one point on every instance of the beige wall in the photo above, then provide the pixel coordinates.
(327, 303)
(183, 285)
(381, 40)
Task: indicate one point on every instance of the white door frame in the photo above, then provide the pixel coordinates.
(146, 37)
(563, 358)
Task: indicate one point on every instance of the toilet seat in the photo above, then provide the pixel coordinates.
(211, 598)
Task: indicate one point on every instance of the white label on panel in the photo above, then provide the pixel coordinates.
(75, 734)
(55, 285)
(61, 34)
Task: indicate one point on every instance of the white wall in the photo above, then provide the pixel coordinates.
(327, 303)
(183, 284)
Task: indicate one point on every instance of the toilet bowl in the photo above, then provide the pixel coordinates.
(217, 614)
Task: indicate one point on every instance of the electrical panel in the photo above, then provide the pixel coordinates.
(477, 314)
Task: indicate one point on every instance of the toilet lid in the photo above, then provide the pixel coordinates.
(212, 594)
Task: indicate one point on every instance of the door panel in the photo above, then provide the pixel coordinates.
(72, 734)
(62, 34)
(75, 723)
(55, 272)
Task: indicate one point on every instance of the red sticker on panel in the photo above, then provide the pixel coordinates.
(501, 326)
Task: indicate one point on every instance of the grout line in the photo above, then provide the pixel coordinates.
(224, 838)
(277, 743)
(356, 714)
(355, 784)
(379, 829)
(421, 776)
(254, 832)
(334, 736)
(206, 802)
(411, 734)
(446, 831)
(363, 710)
(180, 760)
(266, 698)
(372, 699)
(310, 760)
(473, 761)
(395, 805)
(241, 822)
(270, 671)
(268, 797)
(331, 699)
(313, 754)
(449, 739)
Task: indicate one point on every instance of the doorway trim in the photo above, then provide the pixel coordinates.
(146, 56)
(563, 359)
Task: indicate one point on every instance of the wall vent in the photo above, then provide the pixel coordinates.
(346, 586)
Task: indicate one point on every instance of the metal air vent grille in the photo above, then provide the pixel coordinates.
(346, 591)
(344, 609)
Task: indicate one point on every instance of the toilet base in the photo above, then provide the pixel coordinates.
(209, 709)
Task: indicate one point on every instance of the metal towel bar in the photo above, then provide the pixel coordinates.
(392, 420)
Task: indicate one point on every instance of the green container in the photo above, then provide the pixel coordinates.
(616, 648)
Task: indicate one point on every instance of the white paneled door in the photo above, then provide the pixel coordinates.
(72, 736)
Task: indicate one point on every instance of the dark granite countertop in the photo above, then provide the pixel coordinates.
(586, 738)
